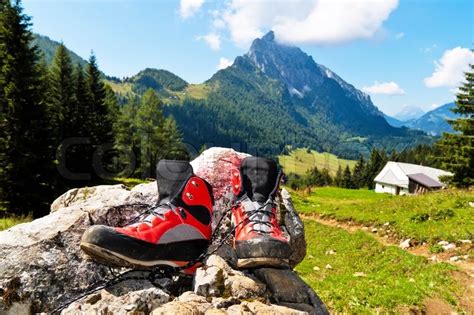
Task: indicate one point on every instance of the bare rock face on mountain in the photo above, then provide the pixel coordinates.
(42, 268)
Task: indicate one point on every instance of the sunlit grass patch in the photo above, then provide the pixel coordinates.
(354, 273)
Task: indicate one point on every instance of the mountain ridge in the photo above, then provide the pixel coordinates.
(433, 122)
(272, 96)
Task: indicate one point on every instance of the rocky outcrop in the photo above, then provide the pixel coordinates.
(42, 267)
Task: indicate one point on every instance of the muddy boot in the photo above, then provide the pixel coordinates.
(258, 239)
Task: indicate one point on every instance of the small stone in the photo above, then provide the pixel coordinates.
(310, 256)
(466, 241)
(471, 204)
(328, 266)
(386, 223)
(434, 258)
(443, 243)
(359, 274)
(316, 268)
(365, 228)
(374, 230)
(454, 258)
(330, 252)
(284, 285)
(449, 247)
(405, 244)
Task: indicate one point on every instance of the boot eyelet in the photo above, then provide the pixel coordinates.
(190, 197)
(236, 175)
(194, 183)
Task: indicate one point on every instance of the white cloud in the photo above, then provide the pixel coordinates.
(389, 88)
(306, 21)
(218, 23)
(224, 63)
(212, 39)
(449, 70)
(400, 35)
(428, 49)
(187, 8)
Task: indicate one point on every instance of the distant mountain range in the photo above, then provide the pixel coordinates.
(434, 122)
(409, 113)
(272, 96)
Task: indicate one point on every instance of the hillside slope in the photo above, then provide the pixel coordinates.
(48, 48)
(276, 95)
(434, 122)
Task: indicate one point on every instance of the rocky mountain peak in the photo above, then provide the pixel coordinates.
(298, 71)
(269, 37)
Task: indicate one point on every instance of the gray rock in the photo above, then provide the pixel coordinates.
(256, 307)
(449, 246)
(405, 244)
(217, 278)
(284, 285)
(43, 268)
(129, 297)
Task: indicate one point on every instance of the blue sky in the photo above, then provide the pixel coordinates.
(403, 53)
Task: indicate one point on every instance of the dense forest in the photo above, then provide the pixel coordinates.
(62, 127)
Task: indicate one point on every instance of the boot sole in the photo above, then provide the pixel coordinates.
(108, 257)
(262, 262)
(262, 252)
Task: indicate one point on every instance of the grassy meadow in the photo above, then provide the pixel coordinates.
(443, 215)
(354, 272)
(300, 161)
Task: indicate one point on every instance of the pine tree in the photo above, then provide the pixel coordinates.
(158, 136)
(101, 129)
(458, 148)
(175, 147)
(358, 178)
(84, 107)
(62, 98)
(376, 162)
(327, 179)
(347, 178)
(338, 178)
(25, 153)
(150, 123)
(126, 138)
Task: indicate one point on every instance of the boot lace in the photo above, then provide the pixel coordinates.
(260, 218)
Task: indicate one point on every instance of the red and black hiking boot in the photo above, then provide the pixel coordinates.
(258, 239)
(177, 231)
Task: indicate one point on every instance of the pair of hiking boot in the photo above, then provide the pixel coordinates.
(178, 230)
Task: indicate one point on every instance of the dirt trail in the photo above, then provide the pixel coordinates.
(465, 275)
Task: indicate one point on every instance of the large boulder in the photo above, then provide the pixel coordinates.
(42, 267)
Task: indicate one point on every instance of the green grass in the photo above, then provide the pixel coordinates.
(197, 91)
(129, 182)
(444, 215)
(392, 277)
(123, 89)
(300, 161)
(6, 223)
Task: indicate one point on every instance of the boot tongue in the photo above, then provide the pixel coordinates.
(170, 177)
(259, 177)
